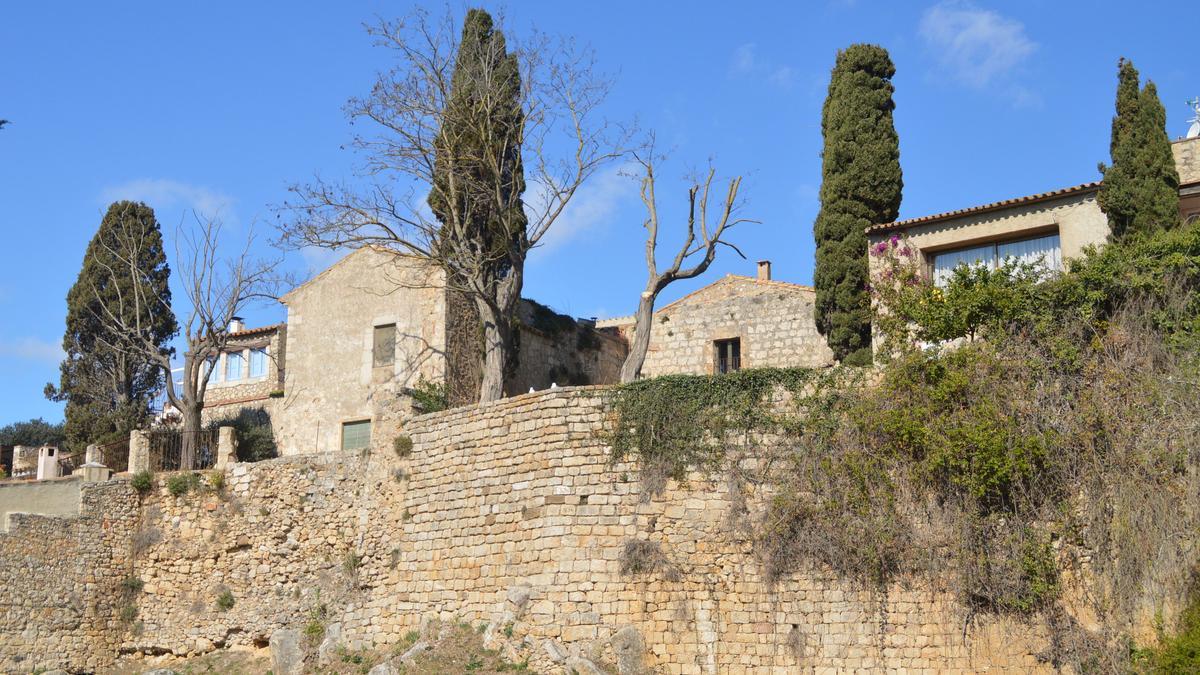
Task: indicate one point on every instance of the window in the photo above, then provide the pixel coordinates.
(356, 435)
(384, 345)
(728, 355)
(258, 362)
(233, 366)
(1039, 250)
(214, 373)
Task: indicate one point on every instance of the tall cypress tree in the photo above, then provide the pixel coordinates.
(1140, 192)
(861, 184)
(109, 391)
(478, 153)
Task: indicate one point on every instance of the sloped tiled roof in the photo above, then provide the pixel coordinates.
(984, 208)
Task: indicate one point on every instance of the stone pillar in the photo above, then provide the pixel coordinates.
(226, 447)
(92, 454)
(139, 451)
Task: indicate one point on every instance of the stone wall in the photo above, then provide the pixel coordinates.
(508, 513)
(772, 320)
(59, 497)
(558, 349)
(63, 581)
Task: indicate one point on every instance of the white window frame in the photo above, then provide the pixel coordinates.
(1054, 266)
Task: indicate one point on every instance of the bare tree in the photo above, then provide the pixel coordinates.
(217, 290)
(700, 243)
(422, 147)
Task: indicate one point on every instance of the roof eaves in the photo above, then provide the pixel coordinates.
(986, 208)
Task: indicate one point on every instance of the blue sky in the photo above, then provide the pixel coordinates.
(219, 106)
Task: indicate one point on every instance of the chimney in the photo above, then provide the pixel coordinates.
(236, 325)
(764, 270)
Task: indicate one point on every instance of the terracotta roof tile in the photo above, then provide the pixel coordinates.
(984, 208)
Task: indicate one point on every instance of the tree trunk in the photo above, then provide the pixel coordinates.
(189, 436)
(497, 344)
(632, 368)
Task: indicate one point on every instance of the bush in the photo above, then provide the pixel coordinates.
(132, 585)
(142, 481)
(429, 396)
(216, 480)
(1059, 433)
(182, 483)
(127, 613)
(225, 601)
(255, 434)
(403, 446)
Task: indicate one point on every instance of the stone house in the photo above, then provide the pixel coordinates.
(1052, 226)
(248, 373)
(735, 322)
(362, 335)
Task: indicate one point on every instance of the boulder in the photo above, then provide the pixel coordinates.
(385, 668)
(287, 658)
(328, 648)
(630, 649)
(582, 666)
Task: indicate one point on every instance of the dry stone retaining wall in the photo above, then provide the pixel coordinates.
(507, 513)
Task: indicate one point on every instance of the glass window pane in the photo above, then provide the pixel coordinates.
(945, 262)
(356, 435)
(258, 362)
(214, 373)
(384, 345)
(1043, 251)
(233, 366)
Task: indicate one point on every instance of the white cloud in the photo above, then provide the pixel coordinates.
(317, 259)
(32, 349)
(593, 205)
(978, 47)
(743, 58)
(746, 63)
(165, 194)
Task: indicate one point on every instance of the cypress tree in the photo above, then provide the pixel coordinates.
(108, 392)
(1140, 192)
(861, 184)
(479, 149)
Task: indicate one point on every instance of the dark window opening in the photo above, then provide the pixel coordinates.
(729, 355)
(384, 345)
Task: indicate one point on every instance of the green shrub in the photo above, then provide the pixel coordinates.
(255, 434)
(127, 613)
(132, 585)
(216, 480)
(225, 600)
(182, 483)
(142, 481)
(403, 446)
(428, 396)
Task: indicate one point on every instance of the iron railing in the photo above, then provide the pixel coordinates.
(728, 365)
(166, 449)
(114, 455)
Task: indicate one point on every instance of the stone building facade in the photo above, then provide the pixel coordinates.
(358, 335)
(364, 333)
(1054, 226)
(734, 322)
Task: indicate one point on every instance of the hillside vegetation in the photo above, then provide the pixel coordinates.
(1025, 434)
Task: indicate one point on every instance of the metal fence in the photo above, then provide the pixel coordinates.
(114, 455)
(166, 449)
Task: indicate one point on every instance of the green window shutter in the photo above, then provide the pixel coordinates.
(356, 435)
